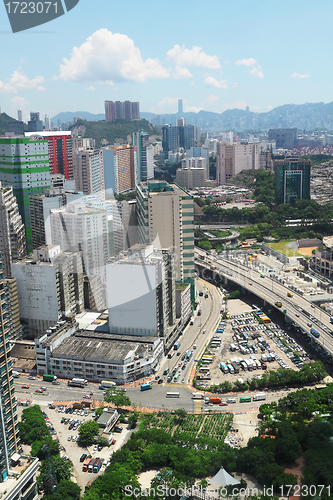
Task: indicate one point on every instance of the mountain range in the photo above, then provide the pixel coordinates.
(306, 116)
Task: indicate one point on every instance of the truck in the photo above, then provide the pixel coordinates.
(108, 383)
(145, 387)
(215, 400)
(176, 346)
(261, 396)
(85, 464)
(91, 465)
(77, 382)
(235, 366)
(15, 374)
(97, 465)
(49, 378)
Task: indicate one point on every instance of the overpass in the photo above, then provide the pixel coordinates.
(270, 291)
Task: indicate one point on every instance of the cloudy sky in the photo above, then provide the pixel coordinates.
(214, 55)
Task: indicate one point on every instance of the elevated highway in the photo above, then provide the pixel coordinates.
(297, 308)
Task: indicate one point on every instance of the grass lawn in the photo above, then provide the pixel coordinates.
(281, 247)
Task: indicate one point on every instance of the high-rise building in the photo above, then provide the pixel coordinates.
(285, 138)
(24, 165)
(9, 432)
(60, 151)
(89, 171)
(127, 110)
(143, 301)
(233, 158)
(180, 136)
(35, 124)
(191, 177)
(292, 180)
(199, 152)
(49, 286)
(47, 122)
(78, 227)
(165, 219)
(145, 153)
(180, 107)
(19, 115)
(170, 138)
(40, 209)
(15, 128)
(83, 143)
(13, 243)
(124, 228)
(120, 168)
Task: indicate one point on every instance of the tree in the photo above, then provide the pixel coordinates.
(181, 414)
(66, 490)
(87, 432)
(63, 468)
(117, 397)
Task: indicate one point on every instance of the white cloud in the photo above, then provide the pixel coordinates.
(19, 101)
(210, 81)
(19, 81)
(110, 57)
(300, 77)
(182, 56)
(256, 69)
(181, 73)
(246, 62)
(212, 98)
(166, 105)
(192, 109)
(91, 88)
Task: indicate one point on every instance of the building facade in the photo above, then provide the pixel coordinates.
(145, 155)
(89, 171)
(59, 150)
(165, 219)
(13, 243)
(127, 110)
(292, 180)
(190, 178)
(233, 158)
(120, 168)
(24, 165)
(143, 301)
(40, 209)
(286, 138)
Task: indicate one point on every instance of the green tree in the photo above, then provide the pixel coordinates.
(87, 432)
(117, 397)
(66, 491)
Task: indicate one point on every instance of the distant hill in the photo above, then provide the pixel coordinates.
(4, 121)
(69, 116)
(117, 129)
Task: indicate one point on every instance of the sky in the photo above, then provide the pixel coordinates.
(215, 55)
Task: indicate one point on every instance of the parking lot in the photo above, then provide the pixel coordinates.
(244, 347)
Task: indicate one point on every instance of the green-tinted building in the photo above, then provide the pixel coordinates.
(165, 215)
(292, 180)
(24, 165)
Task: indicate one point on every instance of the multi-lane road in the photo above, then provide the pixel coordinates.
(298, 309)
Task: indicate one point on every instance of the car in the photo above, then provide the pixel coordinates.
(51, 407)
(204, 331)
(250, 284)
(99, 447)
(313, 306)
(69, 438)
(96, 447)
(179, 364)
(169, 379)
(24, 387)
(31, 378)
(62, 420)
(118, 429)
(183, 357)
(87, 396)
(309, 324)
(194, 346)
(297, 315)
(223, 403)
(40, 391)
(157, 377)
(113, 441)
(160, 381)
(183, 381)
(178, 353)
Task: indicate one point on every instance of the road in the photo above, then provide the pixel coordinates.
(271, 291)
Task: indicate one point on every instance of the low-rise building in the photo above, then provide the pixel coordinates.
(183, 302)
(21, 484)
(108, 419)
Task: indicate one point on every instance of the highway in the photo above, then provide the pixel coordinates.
(271, 291)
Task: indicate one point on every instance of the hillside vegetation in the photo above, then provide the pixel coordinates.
(4, 121)
(108, 132)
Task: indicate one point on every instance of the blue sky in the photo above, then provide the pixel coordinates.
(214, 55)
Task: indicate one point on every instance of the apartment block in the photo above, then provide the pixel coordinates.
(165, 219)
(190, 178)
(233, 158)
(89, 171)
(49, 286)
(127, 110)
(13, 243)
(120, 168)
(40, 209)
(145, 154)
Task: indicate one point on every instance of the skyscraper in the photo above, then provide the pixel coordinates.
(35, 124)
(40, 209)
(24, 165)
(13, 243)
(120, 168)
(165, 219)
(292, 180)
(127, 110)
(9, 432)
(233, 158)
(19, 115)
(60, 151)
(89, 171)
(47, 122)
(145, 153)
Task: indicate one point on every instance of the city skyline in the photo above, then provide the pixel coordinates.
(156, 57)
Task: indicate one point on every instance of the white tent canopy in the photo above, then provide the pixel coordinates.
(222, 478)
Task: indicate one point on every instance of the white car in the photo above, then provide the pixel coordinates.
(194, 346)
(95, 447)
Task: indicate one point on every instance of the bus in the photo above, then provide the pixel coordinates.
(172, 394)
(204, 369)
(177, 376)
(315, 333)
(245, 399)
(108, 383)
(171, 353)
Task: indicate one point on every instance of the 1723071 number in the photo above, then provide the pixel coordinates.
(31, 7)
